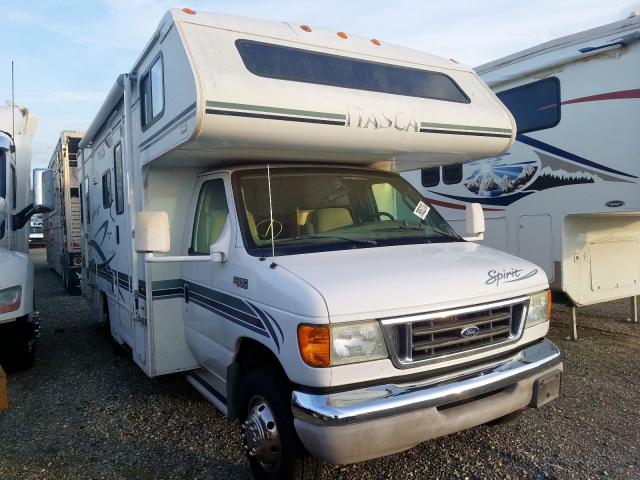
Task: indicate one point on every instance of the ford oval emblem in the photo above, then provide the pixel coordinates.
(471, 331)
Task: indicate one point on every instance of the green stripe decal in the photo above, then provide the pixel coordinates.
(284, 111)
(464, 127)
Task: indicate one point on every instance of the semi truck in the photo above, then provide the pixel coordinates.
(19, 321)
(245, 223)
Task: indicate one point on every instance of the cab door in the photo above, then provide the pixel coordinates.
(207, 305)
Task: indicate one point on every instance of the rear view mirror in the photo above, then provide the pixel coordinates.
(475, 222)
(43, 196)
(152, 232)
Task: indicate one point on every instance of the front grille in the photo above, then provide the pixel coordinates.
(438, 335)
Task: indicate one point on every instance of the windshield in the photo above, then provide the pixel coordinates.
(318, 209)
(36, 229)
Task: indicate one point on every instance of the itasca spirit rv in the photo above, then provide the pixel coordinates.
(245, 223)
(566, 196)
(19, 323)
(62, 225)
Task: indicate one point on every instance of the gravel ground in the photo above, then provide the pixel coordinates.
(83, 413)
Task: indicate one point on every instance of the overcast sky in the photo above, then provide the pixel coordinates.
(68, 53)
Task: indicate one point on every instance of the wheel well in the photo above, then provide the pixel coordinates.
(251, 354)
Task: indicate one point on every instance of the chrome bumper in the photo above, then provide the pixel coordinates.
(381, 401)
(369, 422)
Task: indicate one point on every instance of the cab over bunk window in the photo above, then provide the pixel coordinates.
(535, 106)
(298, 65)
(3, 186)
(211, 215)
(430, 176)
(452, 174)
(119, 175)
(106, 189)
(152, 93)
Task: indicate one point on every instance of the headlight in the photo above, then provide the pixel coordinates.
(339, 344)
(539, 308)
(10, 299)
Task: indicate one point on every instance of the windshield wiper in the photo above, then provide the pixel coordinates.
(333, 237)
(420, 229)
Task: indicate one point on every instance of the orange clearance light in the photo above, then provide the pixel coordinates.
(342, 35)
(313, 341)
(189, 11)
(375, 41)
(306, 28)
(549, 305)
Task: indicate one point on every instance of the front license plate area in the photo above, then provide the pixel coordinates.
(546, 389)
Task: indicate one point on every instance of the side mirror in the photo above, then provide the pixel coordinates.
(220, 249)
(475, 222)
(152, 232)
(43, 196)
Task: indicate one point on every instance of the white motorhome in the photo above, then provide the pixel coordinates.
(245, 224)
(62, 225)
(566, 195)
(19, 322)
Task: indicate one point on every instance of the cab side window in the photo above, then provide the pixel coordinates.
(211, 214)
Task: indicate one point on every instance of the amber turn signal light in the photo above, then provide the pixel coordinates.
(549, 305)
(314, 344)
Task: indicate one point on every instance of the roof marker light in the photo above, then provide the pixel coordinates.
(375, 41)
(453, 60)
(189, 11)
(305, 28)
(342, 35)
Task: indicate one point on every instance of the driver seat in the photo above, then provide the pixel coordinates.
(325, 219)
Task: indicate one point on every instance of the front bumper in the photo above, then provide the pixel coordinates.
(370, 422)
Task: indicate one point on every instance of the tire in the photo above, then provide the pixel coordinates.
(274, 394)
(508, 418)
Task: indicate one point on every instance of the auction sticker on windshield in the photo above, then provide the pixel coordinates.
(421, 210)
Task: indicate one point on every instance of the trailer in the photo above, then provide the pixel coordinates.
(62, 225)
(245, 223)
(566, 195)
(19, 321)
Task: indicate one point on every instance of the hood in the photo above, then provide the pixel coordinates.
(15, 266)
(401, 280)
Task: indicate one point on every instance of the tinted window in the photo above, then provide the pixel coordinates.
(534, 106)
(14, 188)
(211, 215)
(286, 63)
(3, 175)
(152, 93)
(117, 170)
(106, 190)
(430, 176)
(452, 173)
(74, 192)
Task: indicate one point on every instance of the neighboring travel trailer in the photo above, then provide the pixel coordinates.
(566, 195)
(245, 223)
(36, 233)
(62, 225)
(19, 322)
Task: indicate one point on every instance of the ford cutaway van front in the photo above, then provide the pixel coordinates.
(408, 331)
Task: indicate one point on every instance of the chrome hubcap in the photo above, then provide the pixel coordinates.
(260, 434)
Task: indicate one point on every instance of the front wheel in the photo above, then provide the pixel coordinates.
(268, 435)
(19, 346)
